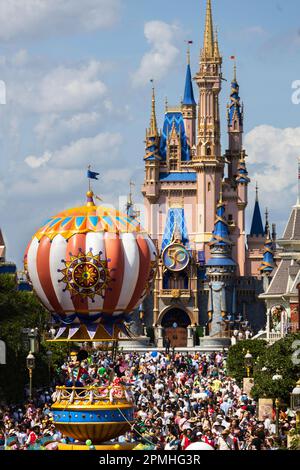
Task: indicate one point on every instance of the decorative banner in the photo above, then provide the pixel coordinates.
(265, 408)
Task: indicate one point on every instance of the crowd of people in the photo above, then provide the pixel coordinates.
(180, 399)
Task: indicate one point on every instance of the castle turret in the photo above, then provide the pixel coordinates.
(235, 118)
(208, 161)
(255, 240)
(152, 157)
(221, 270)
(267, 265)
(189, 106)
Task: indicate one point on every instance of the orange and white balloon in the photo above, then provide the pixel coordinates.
(91, 263)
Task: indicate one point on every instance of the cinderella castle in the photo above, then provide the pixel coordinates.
(211, 272)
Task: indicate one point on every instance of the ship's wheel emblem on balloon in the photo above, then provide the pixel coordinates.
(86, 275)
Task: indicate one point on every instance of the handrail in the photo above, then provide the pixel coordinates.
(92, 394)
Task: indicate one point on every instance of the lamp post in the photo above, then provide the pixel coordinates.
(248, 363)
(30, 362)
(49, 359)
(33, 340)
(276, 378)
(295, 404)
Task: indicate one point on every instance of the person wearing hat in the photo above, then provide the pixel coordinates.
(224, 441)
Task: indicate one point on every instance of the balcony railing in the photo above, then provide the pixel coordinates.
(105, 395)
(176, 293)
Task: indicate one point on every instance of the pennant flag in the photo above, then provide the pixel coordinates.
(232, 57)
(92, 175)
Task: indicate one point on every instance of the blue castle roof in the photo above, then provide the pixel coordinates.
(152, 149)
(235, 103)
(242, 173)
(178, 176)
(220, 244)
(267, 265)
(257, 228)
(177, 119)
(189, 98)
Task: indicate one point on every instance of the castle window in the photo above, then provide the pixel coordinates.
(209, 187)
(208, 151)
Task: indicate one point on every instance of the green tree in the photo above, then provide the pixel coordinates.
(236, 357)
(19, 310)
(277, 358)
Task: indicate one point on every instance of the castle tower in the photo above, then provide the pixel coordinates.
(255, 241)
(237, 180)
(220, 272)
(152, 159)
(235, 119)
(267, 266)
(208, 161)
(189, 105)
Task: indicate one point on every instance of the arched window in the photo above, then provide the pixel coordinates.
(208, 151)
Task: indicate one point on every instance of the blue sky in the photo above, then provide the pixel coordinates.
(78, 92)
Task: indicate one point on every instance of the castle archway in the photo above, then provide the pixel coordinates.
(175, 322)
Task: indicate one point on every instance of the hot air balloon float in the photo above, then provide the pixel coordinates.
(91, 267)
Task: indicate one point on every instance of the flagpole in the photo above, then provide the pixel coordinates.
(89, 167)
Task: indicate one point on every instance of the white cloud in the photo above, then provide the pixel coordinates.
(163, 53)
(54, 128)
(35, 162)
(21, 18)
(61, 89)
(102, 149)
(273, 156)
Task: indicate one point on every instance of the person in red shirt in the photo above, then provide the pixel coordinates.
(185, 438)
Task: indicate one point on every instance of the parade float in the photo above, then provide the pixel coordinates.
(91, 267)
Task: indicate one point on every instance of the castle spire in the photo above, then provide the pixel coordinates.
(152, 134)
(188, 99)
(235, 111)
(153, 121)
(267, 265)
(267, 226)
(216, 45)
(257, 228)
(208, 46)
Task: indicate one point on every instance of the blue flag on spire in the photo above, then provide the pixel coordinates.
(92, 175)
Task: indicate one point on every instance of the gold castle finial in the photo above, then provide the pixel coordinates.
(234, 71)
(153, 121)
(216, 44)
(221, 194)
(256, 189)
(188, 51)
(208, 47)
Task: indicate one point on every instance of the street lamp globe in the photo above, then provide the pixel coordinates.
(248, 359)
(295, 397)
(248, 363)
(49, 355)
(30, 361)
(52, 332)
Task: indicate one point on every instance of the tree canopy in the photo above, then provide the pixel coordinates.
(20, 310)
(280, 358)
